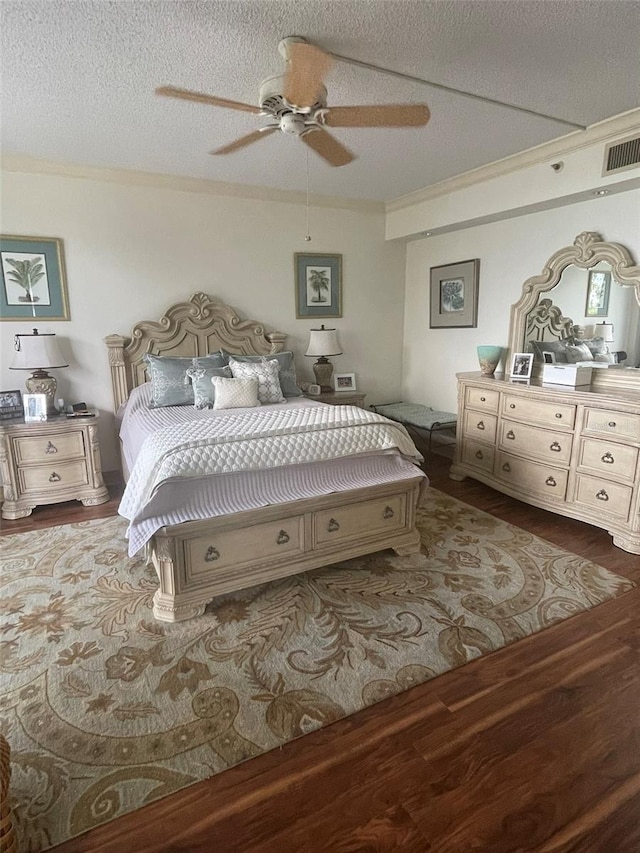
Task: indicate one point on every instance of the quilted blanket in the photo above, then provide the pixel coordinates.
(251, 440)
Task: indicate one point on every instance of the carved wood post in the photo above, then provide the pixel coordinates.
(119, 379)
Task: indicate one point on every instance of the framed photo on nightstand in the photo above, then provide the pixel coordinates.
(35, 407)
(344, 381)
(10, 405)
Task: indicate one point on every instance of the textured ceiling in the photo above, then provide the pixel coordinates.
(78, 82)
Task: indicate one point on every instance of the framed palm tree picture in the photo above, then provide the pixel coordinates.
(318, 285)
(33, 279)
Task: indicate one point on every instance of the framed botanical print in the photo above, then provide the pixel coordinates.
(454, 295)
(598, 289)
(33, 283)
(318, 285)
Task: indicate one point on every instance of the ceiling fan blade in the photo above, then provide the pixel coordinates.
(244, 140)
(188, 95)
(306, 69)
(382, 115)
(326, 146)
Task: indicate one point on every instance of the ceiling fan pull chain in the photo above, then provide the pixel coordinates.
(308, 235)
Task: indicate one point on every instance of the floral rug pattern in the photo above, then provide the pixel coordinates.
(106, 709)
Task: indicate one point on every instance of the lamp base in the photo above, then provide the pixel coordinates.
(41, 383)
(323, 371)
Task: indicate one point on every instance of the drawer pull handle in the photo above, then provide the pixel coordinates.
(511, 435)
(481, 425)
(550, 481)
(479, 454)
(333, 525)
(506, 467)
(612, 424)
(54, 478)
(555, 447)
(51, 448)
(283, 538)
(602, 495)
(212, 554)
(512, 405)
(607, 458)
(388, 512)
(559, 416)
(483, 399)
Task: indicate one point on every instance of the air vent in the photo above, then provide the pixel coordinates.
(621, 155)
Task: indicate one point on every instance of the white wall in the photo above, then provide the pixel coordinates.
(510, 251)
(132, 250)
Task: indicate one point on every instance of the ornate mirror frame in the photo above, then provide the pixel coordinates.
(588, 249)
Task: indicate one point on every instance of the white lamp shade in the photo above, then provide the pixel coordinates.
(323, 342)
(37, 351)
(604, 331)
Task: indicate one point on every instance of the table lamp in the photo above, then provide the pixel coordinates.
(323, 342)
(39, 353)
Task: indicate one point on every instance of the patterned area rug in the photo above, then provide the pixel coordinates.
(106, 709)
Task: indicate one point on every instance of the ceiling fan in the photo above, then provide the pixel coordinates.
(297, 103)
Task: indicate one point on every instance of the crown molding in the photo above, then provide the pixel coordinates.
(203, 186)
(604, 131)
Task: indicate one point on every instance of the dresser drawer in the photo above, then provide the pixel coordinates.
(618, 461)
(244, 546)
(478, 455)
(481, 398)
(541, 444)
(532, 476)
(540, 412)
(36, 479)
(354, 520)
(49, 449)
(612, 424)
(605, 497)
(480, 426)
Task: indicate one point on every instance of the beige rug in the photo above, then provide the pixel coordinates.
(106, 709)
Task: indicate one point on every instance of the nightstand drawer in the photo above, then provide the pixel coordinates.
(53, 477)
(45, 448)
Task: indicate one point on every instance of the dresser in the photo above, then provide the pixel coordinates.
(572, 451)
(50, 462)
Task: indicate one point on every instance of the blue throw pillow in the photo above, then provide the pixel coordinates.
(170, 385)
(204, 390)
(287, 375)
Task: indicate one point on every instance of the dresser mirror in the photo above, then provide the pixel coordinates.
(589, 283)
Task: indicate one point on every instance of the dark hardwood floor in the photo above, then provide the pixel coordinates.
(535, 747)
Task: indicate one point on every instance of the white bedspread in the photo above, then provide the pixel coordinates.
(255, 439)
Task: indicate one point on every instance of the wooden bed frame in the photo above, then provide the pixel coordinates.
(199, 560)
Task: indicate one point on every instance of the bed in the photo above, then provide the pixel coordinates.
(218, 528)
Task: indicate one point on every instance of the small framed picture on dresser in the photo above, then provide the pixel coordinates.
(10, 405)
(521, 365)
(35, 407)
(344, 381)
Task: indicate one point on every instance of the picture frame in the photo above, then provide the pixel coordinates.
(35, 407)
(318, 285)
(598, 290)
(34, 283)
(11, 405)
(521, 365)
(344, 381)
(454, 295)
(548, 357)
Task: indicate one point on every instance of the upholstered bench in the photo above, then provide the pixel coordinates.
(418, 416)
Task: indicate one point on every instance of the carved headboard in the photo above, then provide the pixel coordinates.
(194, 328)
(546, 323)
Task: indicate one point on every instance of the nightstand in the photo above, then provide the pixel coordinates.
(340, 398)
(49, 462)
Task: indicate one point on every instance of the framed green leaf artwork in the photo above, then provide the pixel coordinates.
(33, 279)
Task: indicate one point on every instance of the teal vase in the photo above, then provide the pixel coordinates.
(489, 358)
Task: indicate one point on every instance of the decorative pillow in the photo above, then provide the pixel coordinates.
(266, 372)
(170, 385)
(558, 348)
(203, 387)
(605, 357)
(579, 352)
(597, 346)
(288, 380)
(235, 393)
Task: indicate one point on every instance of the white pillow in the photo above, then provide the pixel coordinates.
(235, 393)
(266, 374)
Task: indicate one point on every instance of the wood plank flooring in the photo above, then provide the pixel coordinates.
(535, 747)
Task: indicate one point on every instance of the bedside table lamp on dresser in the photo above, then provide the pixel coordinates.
(38, 353)
(323, 342)
(49, 462)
